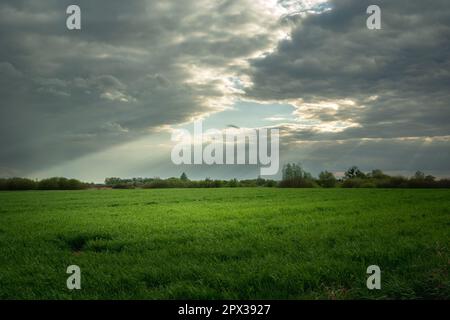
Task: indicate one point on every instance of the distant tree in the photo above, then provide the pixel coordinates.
(443, 183)
(378, 174)
(184, 177)
(327, 179)
(260, 181)
(354, 172)
(353, 183)
(49, 184)
(20, 184)
(420, 180)
(59, 183)
(233, 183)
(293, 171)
(217, 184)
(270, 183)
(112, 181)
(287, 172)
(295, 177)
(419, 175)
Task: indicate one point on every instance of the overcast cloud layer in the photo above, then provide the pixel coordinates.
(378, 99)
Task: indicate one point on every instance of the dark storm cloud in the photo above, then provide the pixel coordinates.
(137, 66)
(330, 56)
(68, 93)
(396, 156)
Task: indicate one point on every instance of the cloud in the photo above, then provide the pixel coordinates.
(139, 65)
(397, 77)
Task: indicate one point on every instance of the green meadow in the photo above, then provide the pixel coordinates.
(229, 243)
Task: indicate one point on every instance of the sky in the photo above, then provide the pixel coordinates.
(102, 101)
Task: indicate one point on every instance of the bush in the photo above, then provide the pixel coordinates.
(57, 183)
(327, 180)
(270, 183)
(295, 177)
(298, 183)
(122, 186)
(392, 182)
(443, 183)
(19, 184)
(353, 183)
(233, 183)
(157, 183)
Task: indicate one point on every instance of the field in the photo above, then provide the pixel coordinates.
(258, 243)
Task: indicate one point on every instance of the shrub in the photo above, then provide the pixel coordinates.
(392, 182)
(327, 180)
(353, 183)
(295, 177)
(45, 184)
(20, 184)
(298, 183)
(57, 183)
(122, 186)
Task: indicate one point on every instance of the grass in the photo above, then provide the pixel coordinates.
(256, 243)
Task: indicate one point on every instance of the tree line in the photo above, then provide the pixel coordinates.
(184, 182)
(293, 176)
(55, 183)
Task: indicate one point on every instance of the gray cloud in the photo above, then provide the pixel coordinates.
(137, 66)
(334, 56)
(128, 71)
